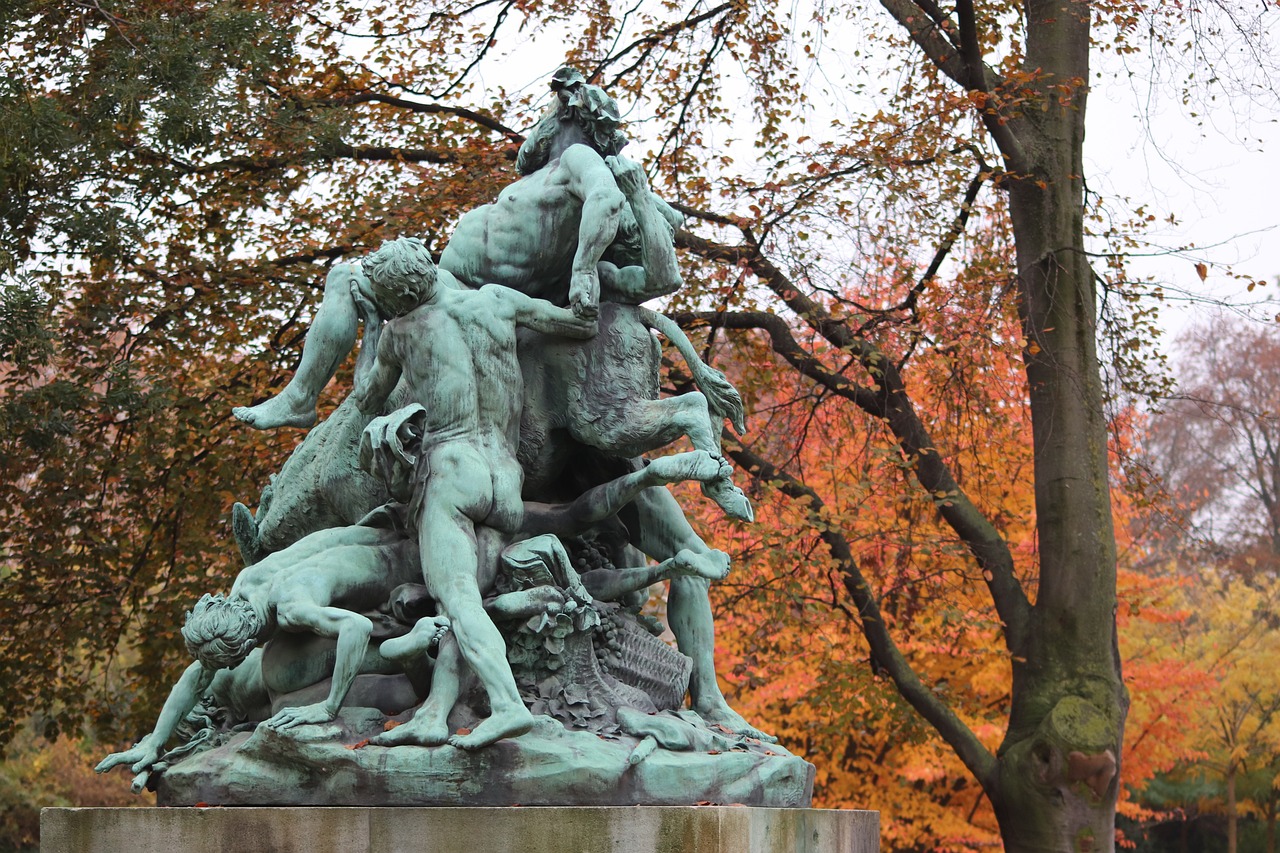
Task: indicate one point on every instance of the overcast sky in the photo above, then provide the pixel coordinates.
(1219, 173)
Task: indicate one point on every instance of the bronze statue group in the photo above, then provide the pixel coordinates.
(469, 535)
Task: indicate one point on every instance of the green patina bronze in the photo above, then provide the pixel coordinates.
(449, 572)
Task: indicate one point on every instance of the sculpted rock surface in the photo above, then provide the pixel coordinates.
(328, 765)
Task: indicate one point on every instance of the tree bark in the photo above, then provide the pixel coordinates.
(1058, 778)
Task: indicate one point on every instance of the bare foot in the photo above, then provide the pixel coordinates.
(730, 498)
(499, 725)
(427, 728)
(279, 411)
(424, 634)
(713, 565)
(722, 715)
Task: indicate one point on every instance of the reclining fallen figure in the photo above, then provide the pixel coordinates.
(360, 566)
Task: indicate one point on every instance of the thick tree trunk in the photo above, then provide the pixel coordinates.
(1058, 778)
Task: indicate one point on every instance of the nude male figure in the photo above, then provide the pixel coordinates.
(456, 353)
(544, 236)
(317, 585)
(360, 565)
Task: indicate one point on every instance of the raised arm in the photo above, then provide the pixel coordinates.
(371, 317)
(658, 273)
(352, 632)
(182, 698)
(590, 181)
(372, 392)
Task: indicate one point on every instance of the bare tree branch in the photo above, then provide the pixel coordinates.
(649, 41)
(888, 400)
(331, 151)
(924, 31)
(948, 240)
(498, 20)
(970, 47)
(485, 121)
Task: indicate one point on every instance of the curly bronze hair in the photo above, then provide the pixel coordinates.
(591, 109)
(401, 275)
(221, 631)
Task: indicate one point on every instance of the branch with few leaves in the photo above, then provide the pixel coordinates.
(478, 118)
(331, 151)
(646, 43)
(964, 65)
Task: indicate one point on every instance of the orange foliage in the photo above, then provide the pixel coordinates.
(790, 651)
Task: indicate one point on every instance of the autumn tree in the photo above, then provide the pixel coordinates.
(1216, 443)
(1216, 446)
(178, 178)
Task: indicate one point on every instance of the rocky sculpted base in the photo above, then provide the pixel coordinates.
(333, 764)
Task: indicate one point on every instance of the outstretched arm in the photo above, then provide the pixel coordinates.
(605, 501)
(352, 631)
(539, 314)
(182, 698)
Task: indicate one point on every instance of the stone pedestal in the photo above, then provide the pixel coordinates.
(561, 829)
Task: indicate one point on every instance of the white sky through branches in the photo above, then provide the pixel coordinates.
(1218, 172)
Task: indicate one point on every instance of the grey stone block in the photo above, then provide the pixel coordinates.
(562, 829)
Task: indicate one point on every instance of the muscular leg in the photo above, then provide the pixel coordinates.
(662, 533)
(429, 726)
(332, 335)
(461, 489)
(473, 637)
(650, 424)
(430, 723)
(613, 584)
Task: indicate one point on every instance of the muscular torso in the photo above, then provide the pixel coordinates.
(527, 238)
(458, 359)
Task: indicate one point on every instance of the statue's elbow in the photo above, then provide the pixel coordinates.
(609, 201)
